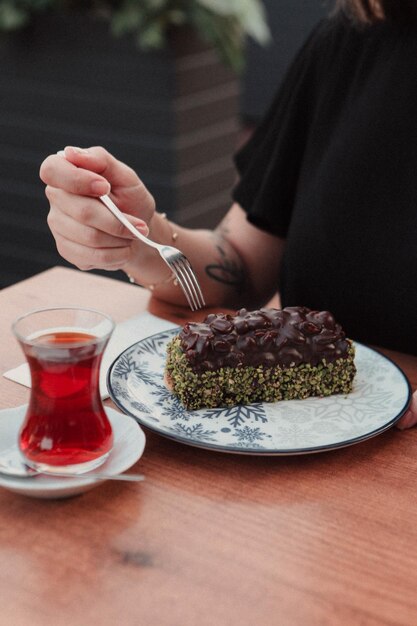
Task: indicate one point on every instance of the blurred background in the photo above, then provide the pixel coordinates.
(176, 113)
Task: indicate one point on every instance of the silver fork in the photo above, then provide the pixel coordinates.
(174, 258)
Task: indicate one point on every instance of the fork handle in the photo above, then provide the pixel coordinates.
(108, 202)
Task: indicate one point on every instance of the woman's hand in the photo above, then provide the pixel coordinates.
(410, 418)
(86, 233)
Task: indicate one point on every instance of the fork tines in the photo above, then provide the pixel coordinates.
(188, 282)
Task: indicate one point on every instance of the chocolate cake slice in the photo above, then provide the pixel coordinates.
(259, 356)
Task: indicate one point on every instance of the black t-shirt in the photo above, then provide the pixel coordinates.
(333, 169)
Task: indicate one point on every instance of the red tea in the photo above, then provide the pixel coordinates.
(65, 423)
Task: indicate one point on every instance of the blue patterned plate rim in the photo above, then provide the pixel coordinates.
(126, 403)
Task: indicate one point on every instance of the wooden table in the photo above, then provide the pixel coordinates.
(209, 539)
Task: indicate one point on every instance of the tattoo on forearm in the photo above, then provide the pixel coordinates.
(226, 270)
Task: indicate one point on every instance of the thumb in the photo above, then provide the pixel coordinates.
(127, 190)
(98, 160)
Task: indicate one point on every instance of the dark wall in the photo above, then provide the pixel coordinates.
(290, 22)
(172, 116)
(47, 103)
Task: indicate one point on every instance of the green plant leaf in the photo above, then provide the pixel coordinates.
(230, 7)
(152, 36)
(12, 17)
(254, 20)
(224, 33)
(249, 13)
(157, 5)
(177, 17)
(223, 23)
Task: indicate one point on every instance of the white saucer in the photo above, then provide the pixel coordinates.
(129, 443)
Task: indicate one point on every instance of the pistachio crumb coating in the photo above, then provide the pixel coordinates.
(259, 356)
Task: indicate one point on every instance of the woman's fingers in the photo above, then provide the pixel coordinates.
(94, 172)
(86, 212)
(65, 226)
(127, 190)
(87, 171)
(98, 160)
(57, 171)
(87, 258)
(409, 419)
(87, 247)
(87, 234)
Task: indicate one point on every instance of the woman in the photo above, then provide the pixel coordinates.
(326, 199)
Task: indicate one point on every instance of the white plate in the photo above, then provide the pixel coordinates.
(129, 443)
(380, 396)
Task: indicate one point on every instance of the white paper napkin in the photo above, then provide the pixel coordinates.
(124, 335)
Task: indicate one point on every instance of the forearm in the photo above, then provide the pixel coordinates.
(220, 270)
(237, 264)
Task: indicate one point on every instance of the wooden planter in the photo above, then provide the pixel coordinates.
(172, 116)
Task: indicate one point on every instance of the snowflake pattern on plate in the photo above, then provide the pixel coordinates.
(380, 396)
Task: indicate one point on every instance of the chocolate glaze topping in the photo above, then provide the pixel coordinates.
(267, 337)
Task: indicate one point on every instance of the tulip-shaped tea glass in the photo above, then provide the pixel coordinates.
(66, 427)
